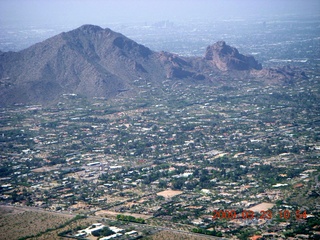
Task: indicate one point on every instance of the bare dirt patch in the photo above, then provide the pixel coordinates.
(45, 169)
(261, 207)
(169, 193)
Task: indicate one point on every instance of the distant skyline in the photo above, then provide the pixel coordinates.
(26, 22)
(75, 13)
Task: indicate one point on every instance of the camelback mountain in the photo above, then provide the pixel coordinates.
(96, 62)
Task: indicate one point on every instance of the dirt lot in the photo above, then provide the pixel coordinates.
(45, 169)
(261, 207)
(169, 193)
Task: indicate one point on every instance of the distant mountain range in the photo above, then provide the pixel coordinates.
(96, 62)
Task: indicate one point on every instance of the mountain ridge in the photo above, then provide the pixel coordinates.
(96, 62)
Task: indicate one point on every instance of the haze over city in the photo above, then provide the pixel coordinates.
(47, 18)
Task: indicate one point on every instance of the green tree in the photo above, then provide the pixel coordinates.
(178, 183)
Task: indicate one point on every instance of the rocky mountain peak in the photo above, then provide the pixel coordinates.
(96, 62)
(90, 28)
(227, 58)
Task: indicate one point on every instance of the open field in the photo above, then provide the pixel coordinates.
(53, 235)
(262, 207)
(169, 193)
(17, 223)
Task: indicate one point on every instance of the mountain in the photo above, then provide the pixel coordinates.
(89, 60)
(229, 58)
(96, 62)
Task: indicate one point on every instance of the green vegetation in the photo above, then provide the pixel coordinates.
(130, 218)
(207, 232)
(103, 232)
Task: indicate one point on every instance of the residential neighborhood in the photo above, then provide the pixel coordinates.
(172, 157)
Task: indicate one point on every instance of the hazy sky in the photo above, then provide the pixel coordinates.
(49, 12)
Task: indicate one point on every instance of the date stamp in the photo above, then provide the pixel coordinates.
(265, 215)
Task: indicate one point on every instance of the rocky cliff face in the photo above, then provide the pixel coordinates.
(227, 58)
(96, 62)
